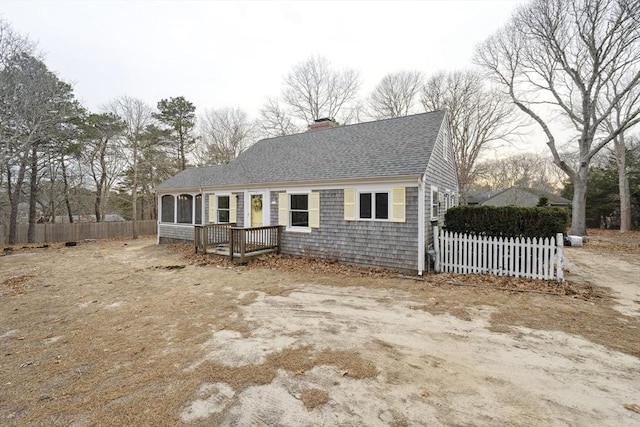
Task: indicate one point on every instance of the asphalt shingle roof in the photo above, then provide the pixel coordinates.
(384, 148)
(552, 198)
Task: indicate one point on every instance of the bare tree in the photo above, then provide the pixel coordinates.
(395, 95)
(314, 90)
(13, 44)
(16, 100)
(226, 133)
(137, 115)
(479, 117)
(623, 106)
(527, 170)
(12, 47)
(35, 109)
(275, 120)
(559, 56)
(102, 155)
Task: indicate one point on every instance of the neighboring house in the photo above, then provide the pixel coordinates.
(367, 193)
(477, 198)
(526, 197)
(23, 213)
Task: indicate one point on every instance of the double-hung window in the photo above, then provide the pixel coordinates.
(435, 204)
(374, 206)
(299, 210)
(223, 210)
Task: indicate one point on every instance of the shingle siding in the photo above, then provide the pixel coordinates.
(401, 148)
(239, 209)
(441, 172)
(170, 233)
(239, 213)
(379, 243)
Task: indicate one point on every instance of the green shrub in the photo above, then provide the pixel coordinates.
(506, 221)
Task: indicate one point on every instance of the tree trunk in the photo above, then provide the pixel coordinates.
(623, 184)
(14, 199)
(181, 149)
(33, 193)
(101, 185)
(65, 182)
(51, 214)
(134, 191)
(142, 202)
(98, 202)
(579, 203)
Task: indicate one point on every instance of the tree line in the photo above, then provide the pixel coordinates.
(562, 65)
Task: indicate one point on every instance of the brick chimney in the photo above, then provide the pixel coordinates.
(324, 123)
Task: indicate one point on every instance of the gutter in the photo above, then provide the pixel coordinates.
(327, 183)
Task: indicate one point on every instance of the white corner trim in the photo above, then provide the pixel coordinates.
(421, 220)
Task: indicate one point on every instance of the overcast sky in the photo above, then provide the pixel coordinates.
(219, 54)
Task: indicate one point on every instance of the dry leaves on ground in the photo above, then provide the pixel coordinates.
(332, 267)
(613, 241)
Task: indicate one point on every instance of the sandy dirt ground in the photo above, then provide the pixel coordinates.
(131, 333)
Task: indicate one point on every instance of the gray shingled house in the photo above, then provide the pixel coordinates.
(367, 193)
(527, 197)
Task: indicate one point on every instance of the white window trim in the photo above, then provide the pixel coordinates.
(297, 229)
(175, 209)
(217, 196)
(373, 208)
(434, 189)
(161, 210)
(266, 206)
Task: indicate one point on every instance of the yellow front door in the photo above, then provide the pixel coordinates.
(256, 210)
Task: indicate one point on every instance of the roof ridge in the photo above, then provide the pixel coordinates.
(317, 131)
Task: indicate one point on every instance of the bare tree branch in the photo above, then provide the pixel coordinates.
(479, 117)
(395, 95)
(567, 52)
(226, 133)
(314, 90)
(137, 115)
(275, 121)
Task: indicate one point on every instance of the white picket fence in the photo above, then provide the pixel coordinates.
(536, 258)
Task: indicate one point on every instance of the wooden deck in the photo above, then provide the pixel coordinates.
(239, 244)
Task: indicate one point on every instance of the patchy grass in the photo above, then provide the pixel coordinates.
(98, 334)
(314, 397)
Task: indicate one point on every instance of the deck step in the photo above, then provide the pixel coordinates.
(236, 257)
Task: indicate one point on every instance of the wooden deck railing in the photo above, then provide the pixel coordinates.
(211, 235)
(241, 242)
(245, 241)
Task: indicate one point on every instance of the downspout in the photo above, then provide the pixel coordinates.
(421, 225)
